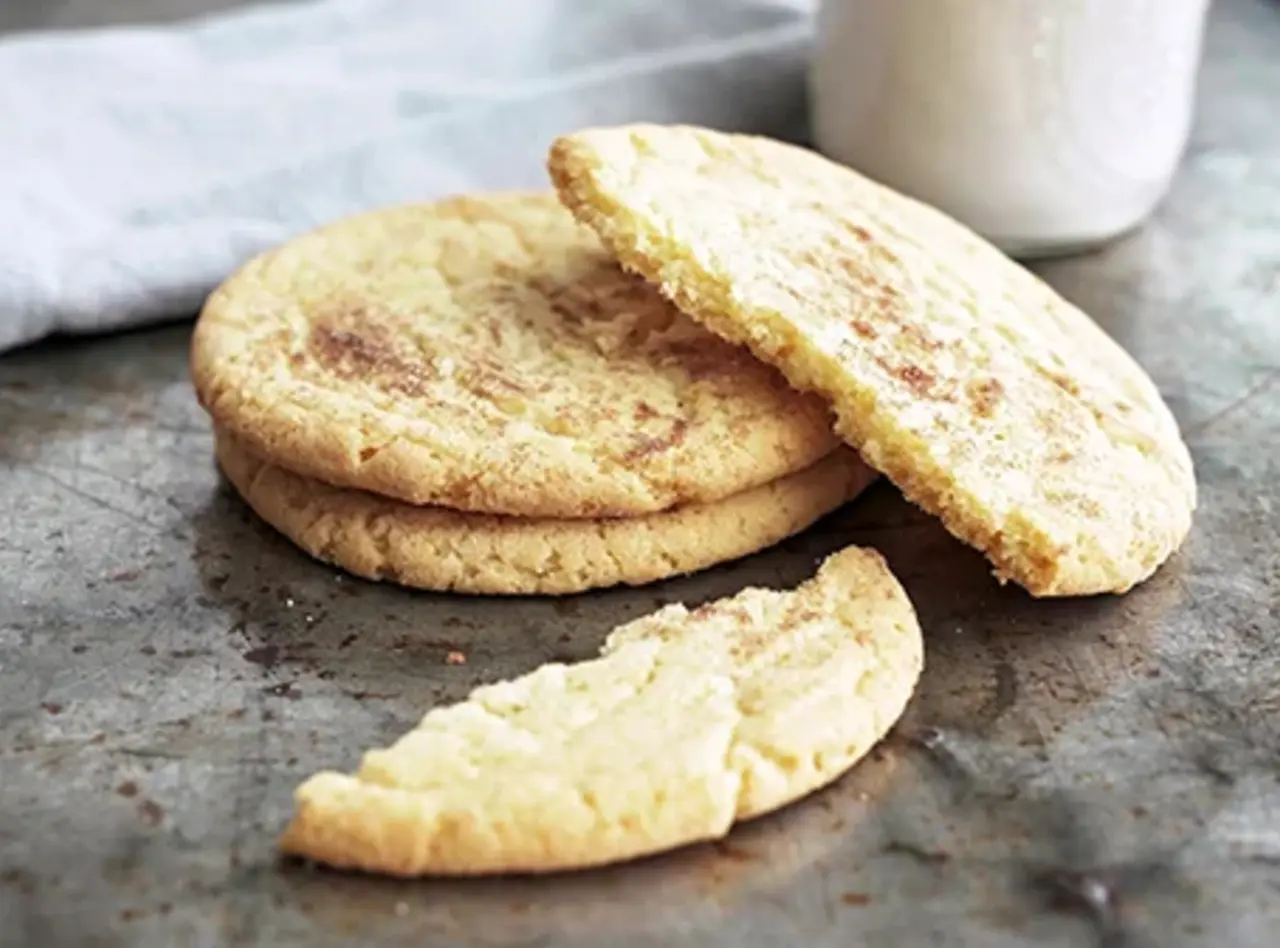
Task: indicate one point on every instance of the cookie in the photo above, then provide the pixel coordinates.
(486, 354)
(689, 721)
(444, 550)
(990, 400)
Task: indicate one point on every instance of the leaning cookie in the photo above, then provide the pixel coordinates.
(990, 400)
(689, 722)
(445, 550)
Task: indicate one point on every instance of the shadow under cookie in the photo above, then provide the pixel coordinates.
(444, 550)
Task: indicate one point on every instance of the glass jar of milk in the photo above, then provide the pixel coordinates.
(1048, 126)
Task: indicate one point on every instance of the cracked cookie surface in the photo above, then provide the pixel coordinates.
(445, 550)
(486, 354)
(689, 721)
(990, 400)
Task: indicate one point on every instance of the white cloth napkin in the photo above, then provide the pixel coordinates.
(139, 166)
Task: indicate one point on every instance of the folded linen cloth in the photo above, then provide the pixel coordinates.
(138, 166)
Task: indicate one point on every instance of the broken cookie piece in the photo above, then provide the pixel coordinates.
(689, 721)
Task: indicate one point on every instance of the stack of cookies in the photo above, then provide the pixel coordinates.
(693, 349)
(472, 396)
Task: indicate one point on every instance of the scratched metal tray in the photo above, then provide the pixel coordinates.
(1070, 773)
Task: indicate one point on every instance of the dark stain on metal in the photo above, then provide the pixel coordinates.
(566, 606)
(729, 851)
(1087, 890)
(268, 656)
(20, 879)
(1103, 895)
(151, 812)
(938, 750)
(1005, 695)
(932, 857)
(183, 654)
(284, 689)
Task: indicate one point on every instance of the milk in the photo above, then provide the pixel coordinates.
(1048, 126)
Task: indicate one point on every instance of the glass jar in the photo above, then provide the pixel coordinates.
(1047, 126)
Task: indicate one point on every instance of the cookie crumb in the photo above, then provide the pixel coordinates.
(455, 658)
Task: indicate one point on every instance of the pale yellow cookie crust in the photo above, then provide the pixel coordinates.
(985, 396)
(485, 354)
(689, 722)
(443, 550)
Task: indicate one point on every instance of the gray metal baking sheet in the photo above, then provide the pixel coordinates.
(1092, 772)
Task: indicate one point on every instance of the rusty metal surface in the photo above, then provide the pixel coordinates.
(1100, 772)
